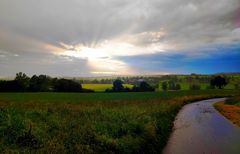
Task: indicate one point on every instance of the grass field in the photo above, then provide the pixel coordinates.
(92, 122)
(93, 97)
(102, 87)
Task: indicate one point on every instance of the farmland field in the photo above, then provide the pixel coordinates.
(186, 85)
(92, 122)
(102, 87)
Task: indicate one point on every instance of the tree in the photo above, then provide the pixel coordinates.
(164, 86)
(33, 84)
(40, 83)
(218, 82)
(144, 86)
(10, 86)
(118, 86)
(64, 85)
(23, 80)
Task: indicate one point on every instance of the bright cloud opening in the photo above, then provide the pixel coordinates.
(102, 57)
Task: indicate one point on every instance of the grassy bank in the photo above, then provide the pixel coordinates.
(91, 123)
(230, 109)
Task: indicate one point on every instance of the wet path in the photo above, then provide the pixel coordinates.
(199, 128)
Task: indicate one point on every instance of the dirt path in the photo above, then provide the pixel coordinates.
(199, 128)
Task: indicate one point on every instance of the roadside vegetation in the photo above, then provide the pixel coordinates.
(230, 109)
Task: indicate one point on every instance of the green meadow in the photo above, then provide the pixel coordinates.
(92, 122)
(186, 85)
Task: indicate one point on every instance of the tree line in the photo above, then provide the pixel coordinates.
(215, 82)
(44, 83)
(41, 83)
(142, 86)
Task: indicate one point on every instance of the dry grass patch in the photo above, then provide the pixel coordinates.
(231, 112)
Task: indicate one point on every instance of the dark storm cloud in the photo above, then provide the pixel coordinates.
(38, 63)
(30, 27)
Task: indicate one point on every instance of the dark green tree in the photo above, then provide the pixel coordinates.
(40, 83)
(10, 86)
(23, 80)
(144, 86)
(118, 86)
(218, 82)
(65, 85)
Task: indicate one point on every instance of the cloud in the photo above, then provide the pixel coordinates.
(94, 33)
(223, 59)
(39, 63)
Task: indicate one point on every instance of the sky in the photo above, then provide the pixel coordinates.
(119, 37)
